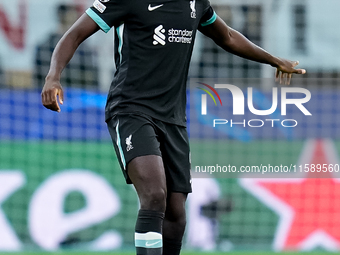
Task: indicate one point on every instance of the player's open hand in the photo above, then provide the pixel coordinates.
(285, 69)
(51, 94)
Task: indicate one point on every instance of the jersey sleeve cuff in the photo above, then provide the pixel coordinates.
(96, 18)
(210, 21)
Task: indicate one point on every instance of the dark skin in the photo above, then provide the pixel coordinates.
(148, 176)
(147, 173)
(83, 28)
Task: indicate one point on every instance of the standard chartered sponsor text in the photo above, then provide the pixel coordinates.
(180, 36)
(268, 168)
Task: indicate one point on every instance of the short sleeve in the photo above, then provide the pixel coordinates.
(108, 13)
(209, 15)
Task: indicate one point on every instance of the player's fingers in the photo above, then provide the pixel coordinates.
(61, 96)
(51, 101)
(300, 71)
(55, 104)
(277, 74)
(295, 63)
(289, 78)
(282, 78)
(285, 77)
(48, 98)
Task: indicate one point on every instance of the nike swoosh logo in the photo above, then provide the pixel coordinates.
(151, 244)
(152, 8)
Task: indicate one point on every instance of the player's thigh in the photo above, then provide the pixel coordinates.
(148, 176)
(138, 152)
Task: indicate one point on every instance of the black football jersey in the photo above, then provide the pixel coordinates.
(154, 40)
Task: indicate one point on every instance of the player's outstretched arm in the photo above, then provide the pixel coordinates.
(83, 28)
(236, 43)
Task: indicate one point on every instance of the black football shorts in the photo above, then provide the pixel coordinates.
(136, 135)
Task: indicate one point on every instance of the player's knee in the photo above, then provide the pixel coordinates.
(154, 200)
(179, 219)
(182, 222)
(176, 224)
